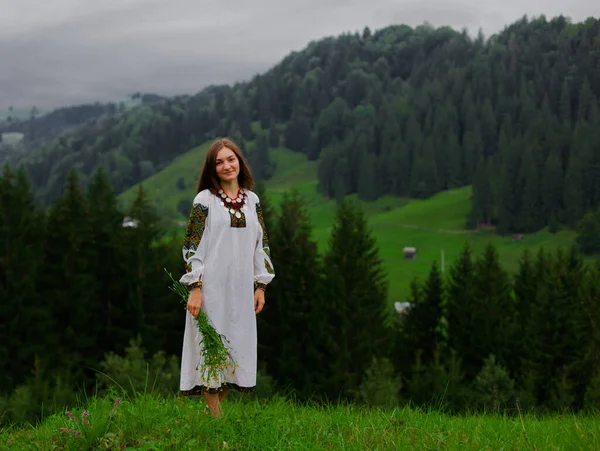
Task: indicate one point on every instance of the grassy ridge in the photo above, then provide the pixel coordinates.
(433, 226)
(150, 422)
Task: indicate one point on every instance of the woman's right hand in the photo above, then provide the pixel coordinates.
(194, 303)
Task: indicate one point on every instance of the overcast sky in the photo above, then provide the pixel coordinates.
(61, 52)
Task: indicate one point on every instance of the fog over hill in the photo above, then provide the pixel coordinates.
(65, 52)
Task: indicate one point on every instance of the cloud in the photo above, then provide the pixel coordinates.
(60, 52)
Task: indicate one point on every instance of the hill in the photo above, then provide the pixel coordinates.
(434, 226)
(404, 111)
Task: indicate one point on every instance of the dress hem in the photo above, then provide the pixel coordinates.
(200, 389)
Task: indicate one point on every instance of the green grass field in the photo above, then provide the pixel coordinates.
(434, 226)
(152, 423)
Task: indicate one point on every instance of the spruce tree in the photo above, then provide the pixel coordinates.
(493, 311)
(530, 216)
(368, 182)
(109, 265)
(145, 270)
(552, 189)
(525, 287)
(422, 329)
(291, 327)
(573, 195)
(552, 340)
(482, 205)
(461, 304)
(259, 158)
(26, 315)
(356, 294)
(274, 135)
(69, 285)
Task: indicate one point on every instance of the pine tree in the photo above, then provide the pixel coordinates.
(259, 158)
(573, 192)
(588, 233)
(493, 312)
(26, 314)
(482, 204)
(472, 151)
(368, 179)
(564, 108)
(108, 267)
(422, 325)
(552, 188)
(525, 288)
(145, 270)
(508, 195)
(273, 134)
(587, 365)
(68, 284)
(356, 293)
(552, 341)
(398, 168)
(291, 327)
(461, 304)
(530, 217)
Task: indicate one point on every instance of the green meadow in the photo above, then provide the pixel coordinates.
(153, 423)
(434, 226)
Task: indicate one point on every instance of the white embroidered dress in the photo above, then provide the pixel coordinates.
(230, 256)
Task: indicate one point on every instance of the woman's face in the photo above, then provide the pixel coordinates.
(227, 165)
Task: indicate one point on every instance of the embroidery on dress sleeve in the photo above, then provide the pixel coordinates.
(269, 267)
(194, 232)
(261, 220)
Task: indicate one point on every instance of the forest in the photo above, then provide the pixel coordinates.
(402, 111)
(88, 306)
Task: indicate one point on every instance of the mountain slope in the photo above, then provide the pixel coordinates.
(402, 111)
(433, 225)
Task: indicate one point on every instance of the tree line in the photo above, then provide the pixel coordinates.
(76, 286)
(402, 111)
(472, 338)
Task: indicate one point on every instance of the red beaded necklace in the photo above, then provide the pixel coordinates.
(236, 205)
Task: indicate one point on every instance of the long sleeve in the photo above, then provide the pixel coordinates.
(194, 244)
(263, 266)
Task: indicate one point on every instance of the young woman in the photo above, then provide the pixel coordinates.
(228, 268)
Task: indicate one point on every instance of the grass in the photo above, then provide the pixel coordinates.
(434, 226)
(152, 423)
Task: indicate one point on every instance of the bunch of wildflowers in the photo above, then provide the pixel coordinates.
(215, 352)
(83, 427)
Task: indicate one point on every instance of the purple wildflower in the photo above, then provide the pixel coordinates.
(85, 414)
(117, 401)
(71, 416)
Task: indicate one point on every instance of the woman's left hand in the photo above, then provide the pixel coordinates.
(259, 300)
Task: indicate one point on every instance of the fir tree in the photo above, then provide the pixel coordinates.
(108, 267)
(26, 315)
(145, 270)
(493, 311)
(552, 188)
(461, 303)
(422, 325)
(68, 283)
(291, 327)
(356, 293)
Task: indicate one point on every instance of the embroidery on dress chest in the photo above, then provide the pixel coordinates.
(236, 207)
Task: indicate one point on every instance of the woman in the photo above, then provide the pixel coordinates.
(228, 268)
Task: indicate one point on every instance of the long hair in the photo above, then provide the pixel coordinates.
(209, 178)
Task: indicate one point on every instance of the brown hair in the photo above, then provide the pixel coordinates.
(208, 177)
